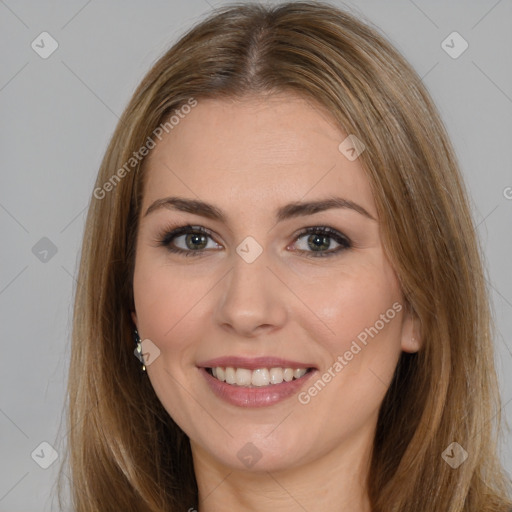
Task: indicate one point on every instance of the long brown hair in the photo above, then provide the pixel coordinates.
(125, 452)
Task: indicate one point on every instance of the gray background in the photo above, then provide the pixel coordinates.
(57, 115)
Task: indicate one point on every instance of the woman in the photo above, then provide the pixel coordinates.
(280, 224)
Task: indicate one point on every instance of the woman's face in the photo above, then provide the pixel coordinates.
(263, 295)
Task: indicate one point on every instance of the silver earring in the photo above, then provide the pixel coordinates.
(138, 349)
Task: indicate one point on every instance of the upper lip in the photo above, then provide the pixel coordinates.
(253, 363)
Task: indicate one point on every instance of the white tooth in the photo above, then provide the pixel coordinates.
(288, 374)
(214, 372)
(276, 375)
(230, 375)
(220, 373)
(299, 372)
(260, 377)
(243, 377)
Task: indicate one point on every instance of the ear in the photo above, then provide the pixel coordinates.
(134, 317)
(412, 339)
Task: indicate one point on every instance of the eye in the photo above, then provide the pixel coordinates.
(319, 239)
(194, 240)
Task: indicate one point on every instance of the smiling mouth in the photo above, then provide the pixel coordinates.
(260, 377)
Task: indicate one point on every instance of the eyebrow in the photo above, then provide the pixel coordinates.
(291, 210)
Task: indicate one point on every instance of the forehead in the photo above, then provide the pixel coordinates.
(256, 151)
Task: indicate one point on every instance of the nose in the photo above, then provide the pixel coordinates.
(252, 299)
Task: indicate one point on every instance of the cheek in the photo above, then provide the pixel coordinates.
(356, 302)
(166, 303)
(366, 319)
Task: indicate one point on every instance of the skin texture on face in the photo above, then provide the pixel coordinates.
(249, 158)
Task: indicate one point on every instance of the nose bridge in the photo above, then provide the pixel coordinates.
(251, 295)
(250, 269)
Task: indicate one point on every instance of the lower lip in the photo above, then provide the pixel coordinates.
(255, 397)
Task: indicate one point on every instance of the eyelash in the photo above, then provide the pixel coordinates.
(168, 235)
